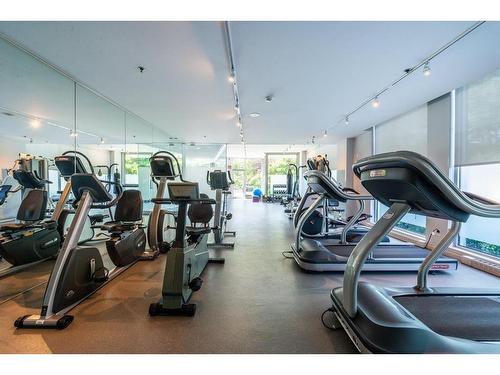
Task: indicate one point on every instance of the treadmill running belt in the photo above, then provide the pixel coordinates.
(469, 317)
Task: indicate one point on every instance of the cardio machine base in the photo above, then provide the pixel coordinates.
(79, 284)
(220, 243)
(36, 321)
(389, 258)
(188, 309)
(217, 260)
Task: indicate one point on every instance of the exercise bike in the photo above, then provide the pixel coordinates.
(33, 238)
(220, 182)
(189, 255)
(80, 271)
(68, 164)
(162, 170)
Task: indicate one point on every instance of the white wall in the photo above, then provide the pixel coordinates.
(9, 150)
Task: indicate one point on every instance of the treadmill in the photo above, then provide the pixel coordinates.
(419, 319)
(331, 255)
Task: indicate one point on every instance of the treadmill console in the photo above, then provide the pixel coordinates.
(183, 191)
(69, 165)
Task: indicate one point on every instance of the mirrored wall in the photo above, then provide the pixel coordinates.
(44, 113)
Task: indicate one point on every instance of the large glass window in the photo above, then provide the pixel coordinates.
(481, 234)
(247, 175)
(277, 168)
(407, 132)
(478, 122)
(477, 157)
(133, 164)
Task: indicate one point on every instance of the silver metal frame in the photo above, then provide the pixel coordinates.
(364, 249)
(219, 229)
(70, 243)
(154, 217)
(441, 247)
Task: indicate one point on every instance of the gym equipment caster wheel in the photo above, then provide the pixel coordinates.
(195, 284)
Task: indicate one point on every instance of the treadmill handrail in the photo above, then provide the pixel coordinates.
(334, 189)
(467, 202)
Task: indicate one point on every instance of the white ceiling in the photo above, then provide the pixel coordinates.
(257, 151)
(317, 71)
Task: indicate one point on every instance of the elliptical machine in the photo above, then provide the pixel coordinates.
(68, 164)
(220, 182)
(320, 221)
(80, 271)
(189, 255)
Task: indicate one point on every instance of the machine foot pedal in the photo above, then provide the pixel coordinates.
(156, 309)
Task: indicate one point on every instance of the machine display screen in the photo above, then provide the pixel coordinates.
(183, 190)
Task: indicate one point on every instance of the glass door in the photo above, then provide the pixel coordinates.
(276, 171)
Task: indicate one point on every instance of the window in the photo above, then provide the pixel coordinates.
(406, 132)
(477, 157)
(133, 162)
(277, 168)
(410, 222)
(481, 234)
(247, 176)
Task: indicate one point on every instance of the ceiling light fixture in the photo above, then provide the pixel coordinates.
(407, 72)
(254, 114)
(239, 124)
(35, 123)
(102, 140)
(231, 78)
(427, 69)
(73, 134)
(346, 120)
(325, 134)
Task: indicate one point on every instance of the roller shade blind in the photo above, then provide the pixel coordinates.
(477, 122)
(406, 132)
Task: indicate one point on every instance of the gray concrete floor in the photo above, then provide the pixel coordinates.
(258, 302)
